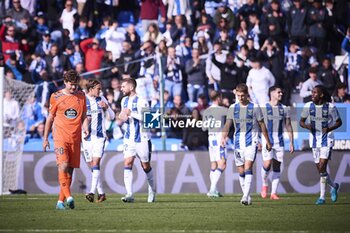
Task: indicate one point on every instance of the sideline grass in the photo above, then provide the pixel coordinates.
(175, 213)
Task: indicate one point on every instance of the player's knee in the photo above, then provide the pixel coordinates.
(222, 166)
(63, 167)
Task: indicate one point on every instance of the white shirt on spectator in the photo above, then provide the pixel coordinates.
(259, 81)
(68, 21)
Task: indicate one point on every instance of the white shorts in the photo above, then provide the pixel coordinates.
(216, 152)
(93, 148)
(248, 153)
(321, 153)
(276, 153)
(142, 150)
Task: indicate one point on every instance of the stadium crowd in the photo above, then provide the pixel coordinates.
(195, 45)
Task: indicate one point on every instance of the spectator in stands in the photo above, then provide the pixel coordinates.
(45, 44)
(309, 84)
(173, 73)
(259, 80)
(114, 40)
(39, 132)
(8, 40)
(202, 103)
(153, 34)
(203, 43)
(179, 29)
(167, 34)
(16, 64)
(41, 26)
(117, 94)
(346, 46)
(167, 103)
(328, 75)
(82, 32)
(32, 115)
(37, 68)
(212, 71)
(93, 54)
(18, 12)
(150, 10)
(273, 23)
(54, 65)
(195, 69)
(184, 49)
(223, 25)
(133, 37)
(72, 56)
(340, 94)
(271, 59)
(242, 34)
(67, 18)
(224, 12)
(107, 75)
(247, 9)
(296, 23)
(226, 43)
(317, 33)
(101, 33)
(147, 78)
(127, 69)
(206, 25)
(195, 138)
(229, 78)
(11, 109)
(179, 8)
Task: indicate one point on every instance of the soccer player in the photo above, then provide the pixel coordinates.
(217, 153)
(67, 113)
(95, 142)
(136, 141)
(246, 118)
(323, 119)
(276, 116)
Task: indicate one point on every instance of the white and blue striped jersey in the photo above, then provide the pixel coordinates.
(274, 117)
(134, 131)
(95, 112)
(320, 116)
(245, 120)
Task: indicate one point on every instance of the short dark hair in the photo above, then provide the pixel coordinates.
(91, 83)
(130, 81)
(242, 87)
(340, 86)
(214, 95)
(273, 88)
(71, 76)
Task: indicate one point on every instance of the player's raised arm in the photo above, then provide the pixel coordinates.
(48, 126)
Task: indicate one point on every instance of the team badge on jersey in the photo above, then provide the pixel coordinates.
(71, 113)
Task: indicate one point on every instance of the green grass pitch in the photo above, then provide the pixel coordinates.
(175, 213)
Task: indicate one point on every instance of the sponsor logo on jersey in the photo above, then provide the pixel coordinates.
(71, 113)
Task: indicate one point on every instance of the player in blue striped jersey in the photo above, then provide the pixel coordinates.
(94, 143)
(217, 153)
(323, 119)
(136, 140)
(276, 116)
(246, 118)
